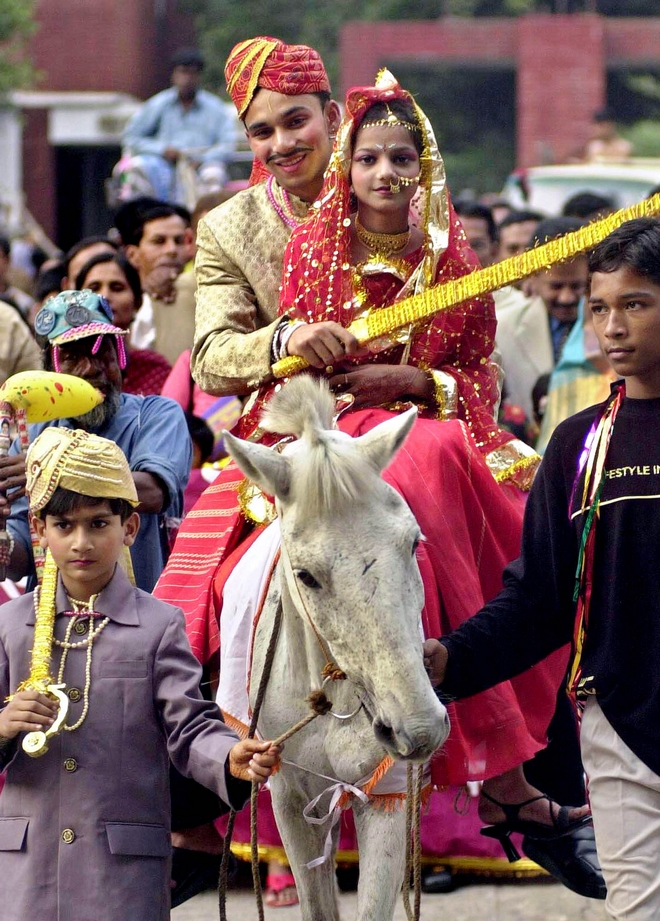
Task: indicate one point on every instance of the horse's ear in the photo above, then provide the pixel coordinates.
(265, 467)
(382, 442)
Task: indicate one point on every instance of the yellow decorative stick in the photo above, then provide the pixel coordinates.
(40, 678)
(387, 320)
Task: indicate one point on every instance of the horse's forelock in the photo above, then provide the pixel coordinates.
(304, 406)
(331, 476)
(329, 472)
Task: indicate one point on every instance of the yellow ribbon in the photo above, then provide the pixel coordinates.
(387, 320)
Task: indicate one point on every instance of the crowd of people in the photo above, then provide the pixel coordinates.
(344, 213)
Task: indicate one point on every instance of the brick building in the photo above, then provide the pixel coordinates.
(560, 64)
(99, 58)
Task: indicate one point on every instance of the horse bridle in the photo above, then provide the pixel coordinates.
(331, 671)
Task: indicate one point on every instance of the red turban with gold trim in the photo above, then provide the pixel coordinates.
(266, 62)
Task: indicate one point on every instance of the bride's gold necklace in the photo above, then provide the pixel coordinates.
(383, 244)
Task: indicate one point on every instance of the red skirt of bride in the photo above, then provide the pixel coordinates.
(472, 528)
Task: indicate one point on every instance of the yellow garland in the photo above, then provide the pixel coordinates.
(387, 320)
(42, 646)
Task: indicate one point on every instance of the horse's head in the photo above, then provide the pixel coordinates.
(349, 557)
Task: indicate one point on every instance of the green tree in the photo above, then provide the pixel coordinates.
(222, 23)
(16, 26)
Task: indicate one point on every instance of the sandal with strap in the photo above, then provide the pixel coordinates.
(561, 826)
(276, 895)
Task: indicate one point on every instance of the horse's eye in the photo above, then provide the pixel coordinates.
(307, 579)
(415, 545)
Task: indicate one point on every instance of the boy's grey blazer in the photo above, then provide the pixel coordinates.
(84, 829)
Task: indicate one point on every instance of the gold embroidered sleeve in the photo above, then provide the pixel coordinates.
(238, 269)
(514, 462)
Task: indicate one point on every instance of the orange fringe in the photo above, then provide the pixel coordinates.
(239, 727)
(388, 802)
(378, 774)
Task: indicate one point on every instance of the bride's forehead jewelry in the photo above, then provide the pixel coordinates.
(386, 147)
(391, 120)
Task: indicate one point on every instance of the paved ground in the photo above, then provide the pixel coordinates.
(511, 901)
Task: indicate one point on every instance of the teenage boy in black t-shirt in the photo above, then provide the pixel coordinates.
(589, 570)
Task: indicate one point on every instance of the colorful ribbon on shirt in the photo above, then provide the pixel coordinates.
(592, 463)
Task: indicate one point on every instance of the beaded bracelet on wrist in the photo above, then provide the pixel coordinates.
(277, 337)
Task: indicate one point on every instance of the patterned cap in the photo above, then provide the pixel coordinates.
(266, 62)
(78, 461)
(72, 315)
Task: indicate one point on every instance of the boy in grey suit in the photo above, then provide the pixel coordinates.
(84, 829)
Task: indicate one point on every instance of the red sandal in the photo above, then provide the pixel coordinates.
(280, 890)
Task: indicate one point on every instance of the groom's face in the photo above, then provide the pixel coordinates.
(292, 137)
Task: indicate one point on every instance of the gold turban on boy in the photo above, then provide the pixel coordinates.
(266, 62)
(78, 461)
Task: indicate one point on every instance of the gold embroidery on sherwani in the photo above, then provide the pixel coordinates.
(239, 270)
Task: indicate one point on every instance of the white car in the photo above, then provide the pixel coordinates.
(547, 188)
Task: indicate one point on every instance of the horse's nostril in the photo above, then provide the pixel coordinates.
(383, 730)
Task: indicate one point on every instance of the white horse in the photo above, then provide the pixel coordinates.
(350, 590)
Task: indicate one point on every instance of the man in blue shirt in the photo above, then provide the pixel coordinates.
(182, 124)
(79, 338)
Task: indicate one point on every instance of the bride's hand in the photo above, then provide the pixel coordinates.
(372, 385)
(322, 344)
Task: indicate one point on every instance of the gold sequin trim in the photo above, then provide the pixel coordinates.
(254, 504)
(516, 463)
(445, 394)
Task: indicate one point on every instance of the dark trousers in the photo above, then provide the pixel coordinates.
(557, 770)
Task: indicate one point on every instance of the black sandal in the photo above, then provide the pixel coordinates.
(572, 859)
(562, 824)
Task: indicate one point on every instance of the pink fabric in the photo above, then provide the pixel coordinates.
(181, 387)
(179, 383)
(196, 486)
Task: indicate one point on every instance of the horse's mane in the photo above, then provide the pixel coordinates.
(330, 474)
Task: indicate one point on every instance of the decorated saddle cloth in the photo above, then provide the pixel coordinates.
(243, 599)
